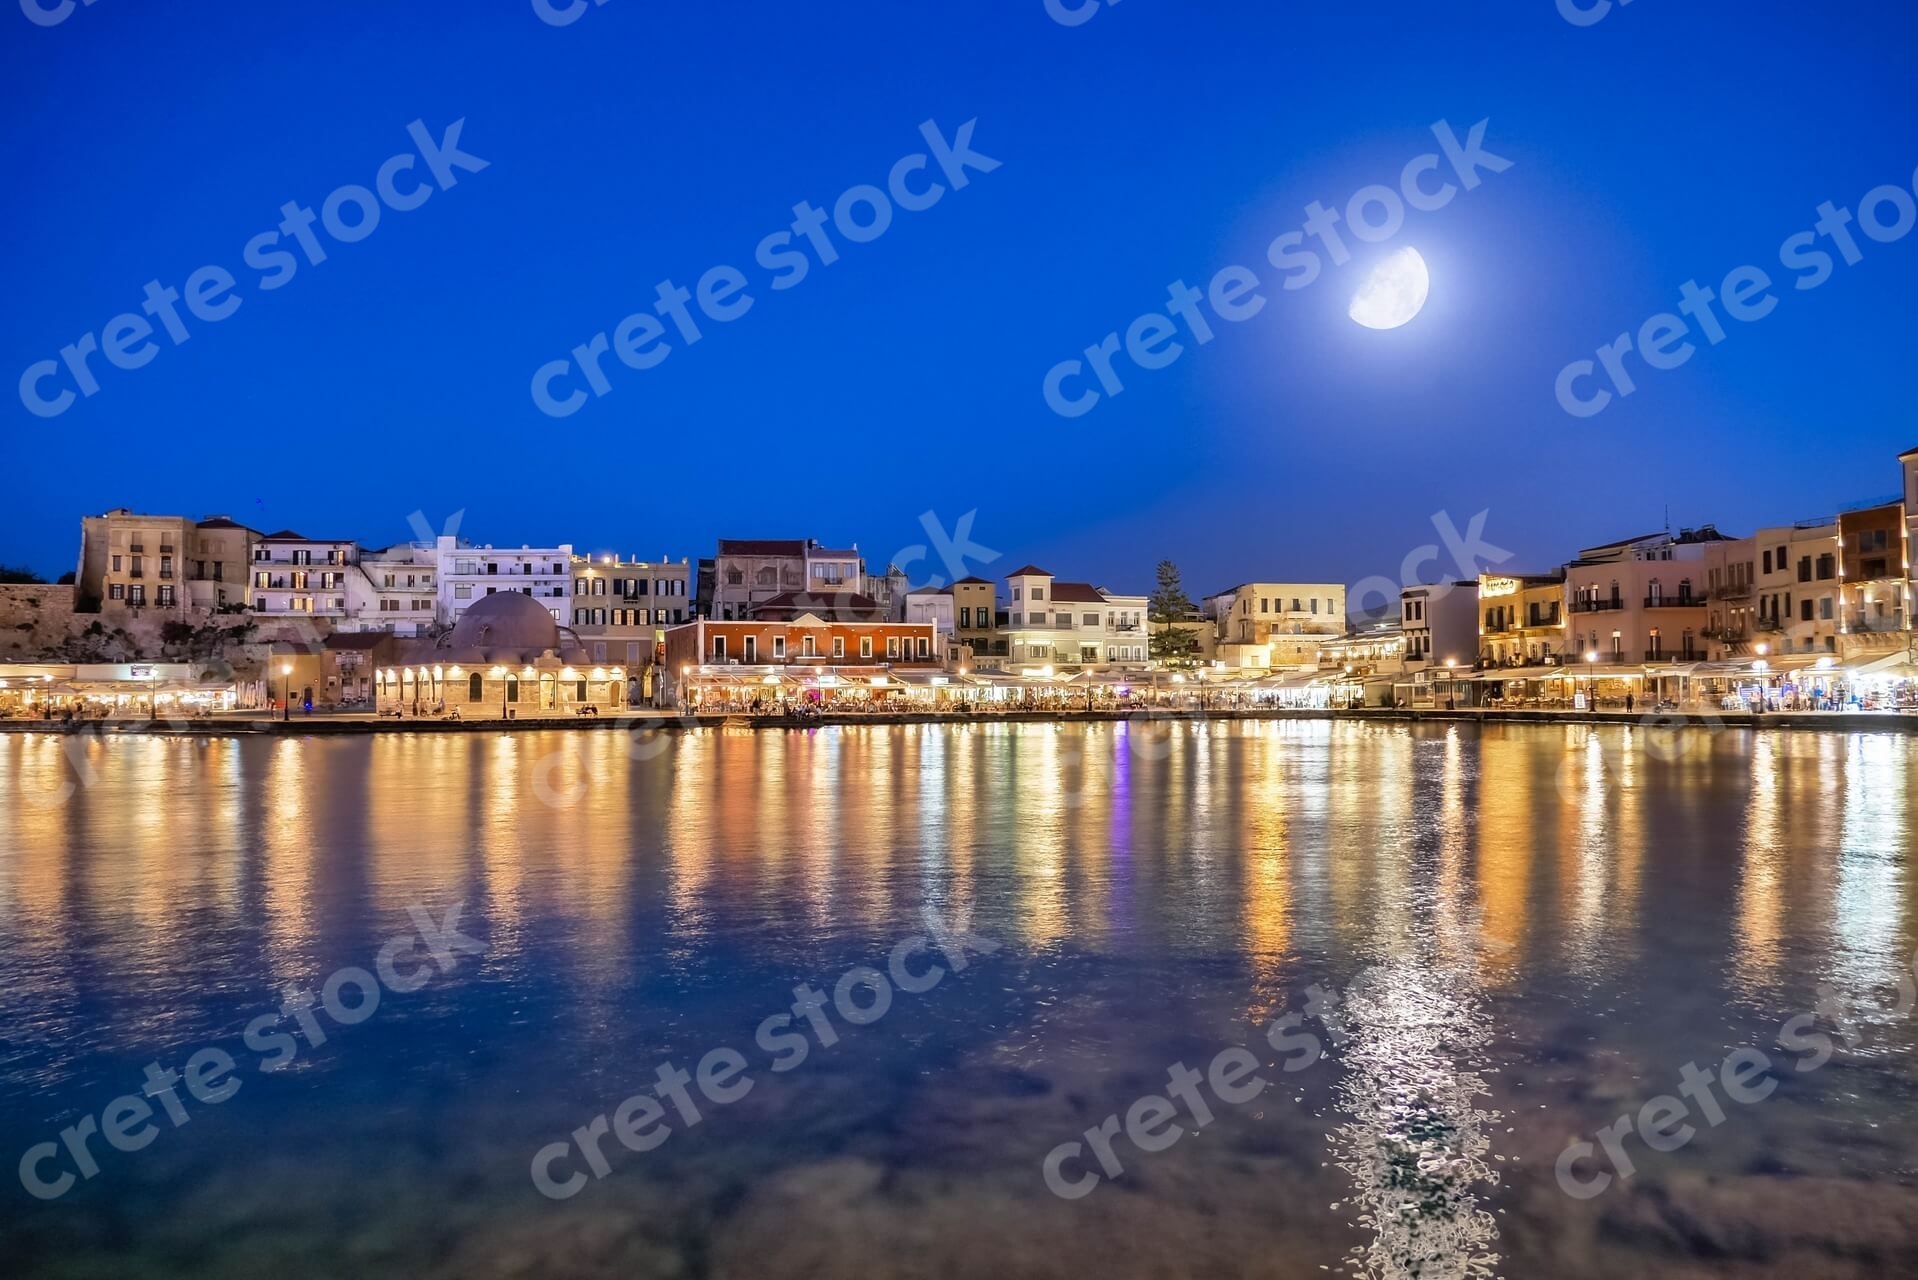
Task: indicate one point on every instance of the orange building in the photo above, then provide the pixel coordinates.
(798, 657)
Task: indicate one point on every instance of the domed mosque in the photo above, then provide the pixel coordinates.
(506, 658)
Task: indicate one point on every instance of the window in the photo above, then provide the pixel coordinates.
(1089, 619)
(839, 646)
(1824, 607)
(892, 646)
(117, 591)
(463, 591)
(1827, 566)
(1804, 610)
(751, 654)
(474, 687)
(779, 648)
(1295, 604)
(1263, 603)
(734, 578)
(925, 647)
(1804, 568)
(1315, 604)
(1038, 593)
(965, 616)
(579, 692)
(136, 596)
(865, 646)
(116, 564)
(719, 648)
(808, 647)
(512, 688)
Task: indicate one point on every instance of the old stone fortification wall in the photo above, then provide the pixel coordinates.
(38, 624)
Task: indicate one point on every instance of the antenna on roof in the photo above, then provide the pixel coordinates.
(1668, 517)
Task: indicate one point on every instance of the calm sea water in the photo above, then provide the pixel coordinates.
(1538, 928)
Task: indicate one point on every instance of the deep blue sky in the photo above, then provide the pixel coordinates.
(1160, 140)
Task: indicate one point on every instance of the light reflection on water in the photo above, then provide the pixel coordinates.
(1549, 921)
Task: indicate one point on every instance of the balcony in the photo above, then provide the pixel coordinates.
(1737, 591)
(136, 573)
(1674, 602)
(1597, 606)
(1666, 655)
(1860, 622)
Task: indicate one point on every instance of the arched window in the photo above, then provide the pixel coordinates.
(512, 688)
(474, 688)
(767, 577)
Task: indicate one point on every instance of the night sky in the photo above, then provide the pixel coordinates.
(1158, 141)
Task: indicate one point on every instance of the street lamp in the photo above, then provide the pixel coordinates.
(1591, 680)
(1760, 667)
(1451, 689)
(286, 690)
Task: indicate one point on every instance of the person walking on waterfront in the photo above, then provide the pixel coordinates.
(1628, 702)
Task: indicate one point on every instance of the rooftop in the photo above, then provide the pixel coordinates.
(762, 547)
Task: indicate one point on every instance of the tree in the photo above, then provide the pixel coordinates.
(22, 577)
(1173, 642)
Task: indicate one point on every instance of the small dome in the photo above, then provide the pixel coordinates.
(506, 620)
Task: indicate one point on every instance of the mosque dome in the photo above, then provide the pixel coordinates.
(506, 620)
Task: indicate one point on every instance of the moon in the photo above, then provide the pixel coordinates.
(1394, 293)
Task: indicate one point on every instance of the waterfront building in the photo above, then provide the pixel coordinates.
(301, 578)
(889, 589)
(976, 619)
(1641, 599)
(1731, 593)
(1909, 461)
(469, 574)
(1874, 571)
(1797, 588)
(622, 608)
(1439, 625)
(130, 561)
(936, 605)
(750, 570)
(1365, 663)
(506, 658)
(1522, 620)
(393, 589)
(157, 689)
(219, 553)
(1275, 624)
(1071, 624)
(804, 657)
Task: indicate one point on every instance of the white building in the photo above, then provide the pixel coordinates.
(468, 573)
(393, 589)
(1075, 624)
(293, 576)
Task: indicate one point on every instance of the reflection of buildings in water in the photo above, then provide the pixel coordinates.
(1601, 783)
(1761, 890)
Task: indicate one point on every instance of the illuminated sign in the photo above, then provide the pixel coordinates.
(1492, 587)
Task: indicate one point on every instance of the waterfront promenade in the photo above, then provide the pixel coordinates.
(334, 724)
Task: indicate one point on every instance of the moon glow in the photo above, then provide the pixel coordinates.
(1395, 291)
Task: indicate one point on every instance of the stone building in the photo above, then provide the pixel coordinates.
(506, 658)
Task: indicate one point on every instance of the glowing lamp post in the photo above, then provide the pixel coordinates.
(286, 691)
(1759, 668)
(1591, 680)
